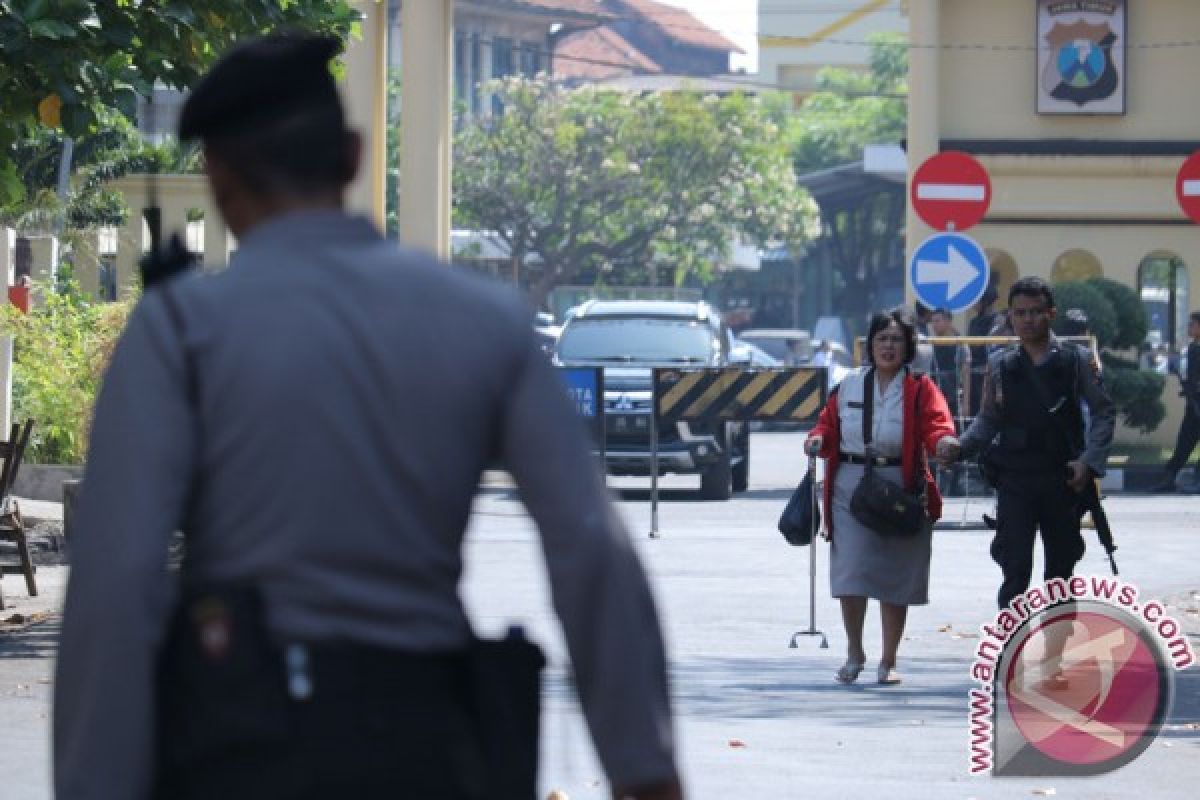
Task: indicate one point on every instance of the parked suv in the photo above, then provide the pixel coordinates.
(628, 339)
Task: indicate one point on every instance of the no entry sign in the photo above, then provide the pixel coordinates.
(951, 191)
(1187, 187)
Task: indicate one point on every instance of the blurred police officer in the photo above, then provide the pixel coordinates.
(1189, 429)
(1041, 456)
(317, 418)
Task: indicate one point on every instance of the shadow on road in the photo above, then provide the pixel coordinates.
(37, 641)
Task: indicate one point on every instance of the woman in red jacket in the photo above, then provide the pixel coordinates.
(909, 420)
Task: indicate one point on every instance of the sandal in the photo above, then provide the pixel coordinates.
(888, 676)
(849, 672)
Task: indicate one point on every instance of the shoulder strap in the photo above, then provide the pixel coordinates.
(192, 392)
(868, 407)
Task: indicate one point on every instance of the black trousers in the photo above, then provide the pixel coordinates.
(1185, 442)
(363, 722)
(1025, 503)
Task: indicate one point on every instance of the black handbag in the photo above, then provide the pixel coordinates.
(801, 516)
(878, 503)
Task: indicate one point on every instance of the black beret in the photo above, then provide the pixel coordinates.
(259, 81)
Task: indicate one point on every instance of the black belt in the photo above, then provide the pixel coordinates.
(877, 461)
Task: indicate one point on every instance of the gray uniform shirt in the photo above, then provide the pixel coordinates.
(348, 395)
(1101, 410)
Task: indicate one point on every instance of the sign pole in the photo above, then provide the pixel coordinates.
(654, 464)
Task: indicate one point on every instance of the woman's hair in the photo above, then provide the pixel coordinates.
(908, 325)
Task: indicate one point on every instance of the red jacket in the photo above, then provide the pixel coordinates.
(932, 422)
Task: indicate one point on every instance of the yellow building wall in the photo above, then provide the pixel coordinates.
(1119, 209)
(990, 93)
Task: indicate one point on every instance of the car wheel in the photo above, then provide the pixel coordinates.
(716, 481)
(741, 470)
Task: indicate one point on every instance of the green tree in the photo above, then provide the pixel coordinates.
(853, 109)
(60, 350)
(863, 230)
(621, 183)
(66, 61)
(1132, 323)
(1136, 392)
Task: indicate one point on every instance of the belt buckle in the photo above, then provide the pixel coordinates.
(879, 461)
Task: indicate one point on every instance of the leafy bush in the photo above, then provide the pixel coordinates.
(1138, 396)
(1131, 314)
(1116, 317)
(60, 351)
(1086, 296)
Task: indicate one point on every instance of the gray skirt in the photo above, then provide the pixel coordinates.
(863, 563)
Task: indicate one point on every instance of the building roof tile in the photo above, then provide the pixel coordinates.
(680, 25)
(599, 53)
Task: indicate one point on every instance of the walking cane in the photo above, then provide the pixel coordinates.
(812, 567)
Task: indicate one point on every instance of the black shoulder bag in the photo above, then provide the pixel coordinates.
(883, 506)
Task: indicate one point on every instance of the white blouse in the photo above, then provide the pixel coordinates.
(887, 415)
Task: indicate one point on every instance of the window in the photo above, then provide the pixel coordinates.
(1076, 265)
(462, 77)
(1163, 285)
(476, 72)
(531, 59)
(502, 66)
(1004, 274)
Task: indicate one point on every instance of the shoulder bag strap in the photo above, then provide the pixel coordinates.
(868, 408)
(192, 391)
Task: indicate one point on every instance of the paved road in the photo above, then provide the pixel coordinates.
(731, 594)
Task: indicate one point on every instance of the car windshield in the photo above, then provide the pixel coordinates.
(637, 339)
(777, 347)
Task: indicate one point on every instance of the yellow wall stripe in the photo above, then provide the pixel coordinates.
(827, 31)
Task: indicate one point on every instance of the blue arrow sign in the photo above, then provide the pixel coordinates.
(949, 271)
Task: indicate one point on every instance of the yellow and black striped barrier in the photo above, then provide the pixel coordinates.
(780, 394)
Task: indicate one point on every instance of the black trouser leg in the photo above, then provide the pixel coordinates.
(1062, 542)
(1185, 442)
(1012, 546)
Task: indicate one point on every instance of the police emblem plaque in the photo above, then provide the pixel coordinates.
(1081, 56)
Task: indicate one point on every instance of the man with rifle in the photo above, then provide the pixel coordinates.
(1189, 430)
(1042, 458)
(316, 420)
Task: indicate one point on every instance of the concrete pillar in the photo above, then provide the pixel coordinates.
(132, 240)
(44, 249)
(8, 241)
(427, 31)
(216, 239)
(8, 238)
(364, 92)
(924, 110)
(85, 258)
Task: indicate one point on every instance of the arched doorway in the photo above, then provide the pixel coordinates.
(1004, 273)
(1076, 265)
(1165, 287)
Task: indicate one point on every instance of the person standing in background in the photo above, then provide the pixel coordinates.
(1189, 429)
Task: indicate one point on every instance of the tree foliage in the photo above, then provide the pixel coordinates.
(1136, 392)
(66, 61)
(623, 183)
(98, 158)
(60, 351)
(853, 109)
(1132, 323)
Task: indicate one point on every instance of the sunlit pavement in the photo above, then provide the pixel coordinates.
(755, 718)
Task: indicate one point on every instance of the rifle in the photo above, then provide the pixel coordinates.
(1089, 500)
